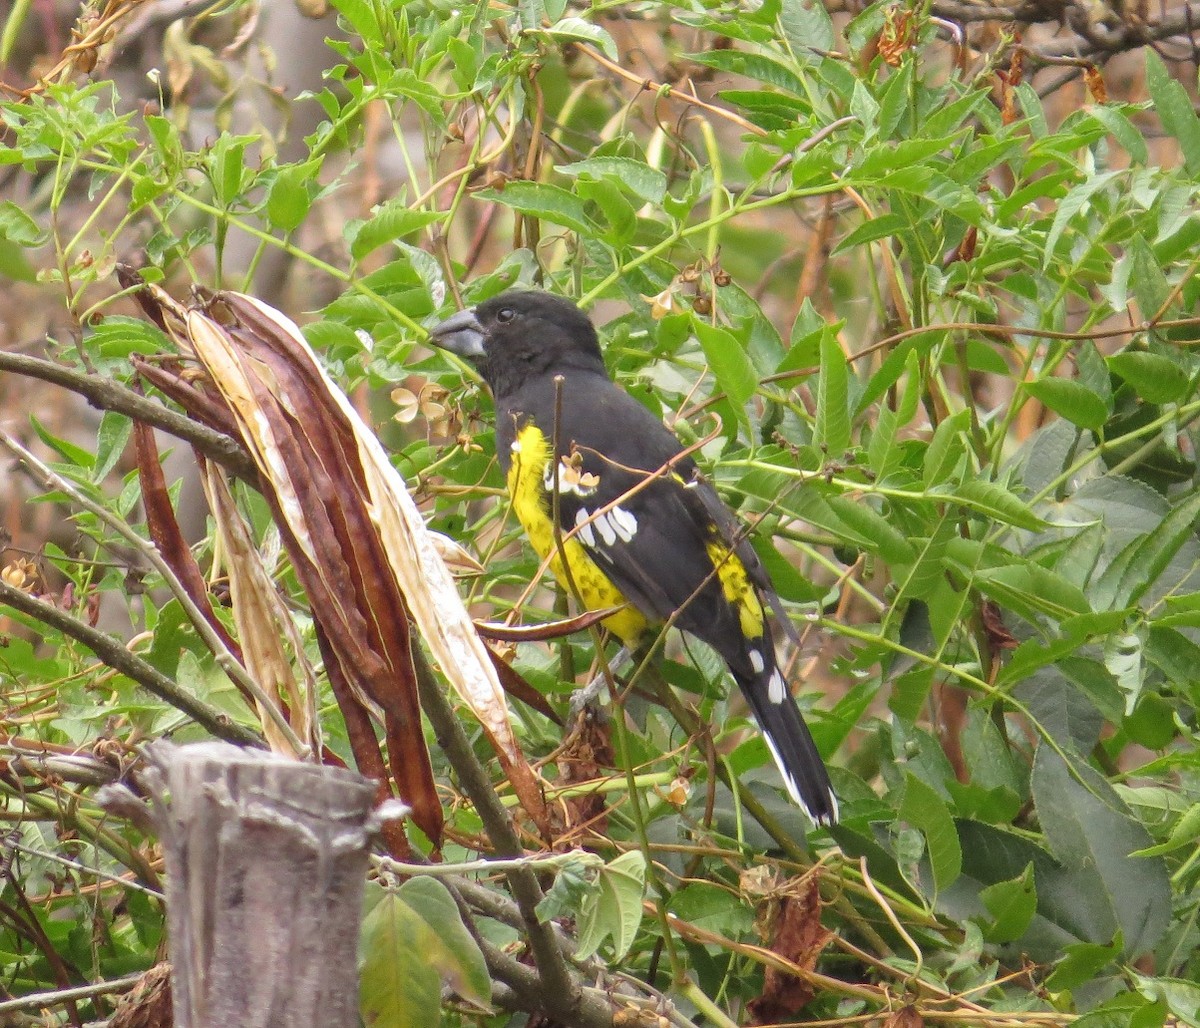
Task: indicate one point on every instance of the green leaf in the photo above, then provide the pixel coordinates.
(1146, 279)
(614, 907)
(575, 878)
(994, 854)
(1174, 108)
(753, 65)
(1070, 399)
(362, 18)
(289, 199)
(647, 183)
(1082, 962)
(995, 501)
(873, 531)
(14, 264)
(1125, 1010)
(1123, 131)
(728, 361)
(397, 984)
(18, 227)
(1150, 556)
(228, 170)
(540, 200)
(896, 99)
(929, 568)
(1012, 905)
(885, 451)
(530, 13)
(1185, 833)
(1075, 201)
(833, 411)
(576, 30)
(117, 337)
(946, 450)
(1022, 585)
(414, 939)
(1061, 709)
(805, 27)
(882, 227)
(710, 907)
(111, 440)
(1152, 722)
(1155, 378)
(1182, 998)
(1092, 833)
(67, 450)
(389, 222)
(613, 207)
(925, 809)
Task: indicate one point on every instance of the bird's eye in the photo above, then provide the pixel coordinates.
(505, 315)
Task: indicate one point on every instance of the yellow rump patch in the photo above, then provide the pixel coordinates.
(738, 589)
(532, 505)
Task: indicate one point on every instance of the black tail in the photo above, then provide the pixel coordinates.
(790, 743)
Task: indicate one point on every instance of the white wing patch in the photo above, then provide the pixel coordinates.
(612, 525)
(605, 528)
(756, 661)
(585, 527)
(776, 688)
(624, 523)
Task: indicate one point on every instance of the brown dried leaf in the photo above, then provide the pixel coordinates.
(587, 755)
(166, 534)
(1008, 105)
(264, 623)
(896, 38)
(965, 251)
(999, 637)
(517, 687)
(1095, 83)
(543, 632)
(312, 477)
(456, 558)
(358, 542)
(800, 939)
(905, 1017)
(148, 1003)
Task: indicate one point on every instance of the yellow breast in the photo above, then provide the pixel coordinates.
(531, 503)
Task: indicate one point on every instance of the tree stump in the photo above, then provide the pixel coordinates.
(266, 860)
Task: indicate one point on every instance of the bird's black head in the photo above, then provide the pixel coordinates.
(519, 335)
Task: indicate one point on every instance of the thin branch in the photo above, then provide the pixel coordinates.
(114, 655)
(37, 1000)
(667, 90)
(107, 394)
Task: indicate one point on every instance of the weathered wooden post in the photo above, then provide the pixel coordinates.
(266, 860)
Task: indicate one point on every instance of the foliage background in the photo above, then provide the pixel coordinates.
(926, 276)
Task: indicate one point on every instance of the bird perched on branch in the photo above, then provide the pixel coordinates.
(637, 524)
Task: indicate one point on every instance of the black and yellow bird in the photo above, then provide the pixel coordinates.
(639, 526)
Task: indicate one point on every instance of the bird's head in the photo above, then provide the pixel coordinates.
(520, 334)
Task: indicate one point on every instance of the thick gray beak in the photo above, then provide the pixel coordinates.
(461, 333)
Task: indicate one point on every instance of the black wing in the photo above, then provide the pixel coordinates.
(646, 515)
